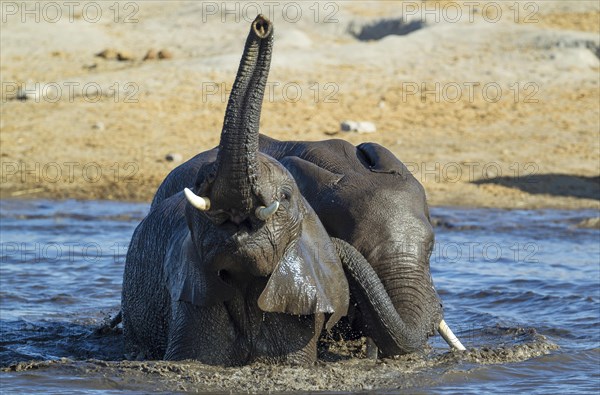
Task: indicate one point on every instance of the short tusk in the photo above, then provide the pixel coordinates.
(263, 213)
(447, 334)
(201, 203)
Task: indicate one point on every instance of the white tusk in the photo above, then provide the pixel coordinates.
(447, 334)
(263, 213)
(201, 203)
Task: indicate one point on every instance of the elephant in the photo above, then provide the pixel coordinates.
(238, 267)
(366, 198)
(375, 213)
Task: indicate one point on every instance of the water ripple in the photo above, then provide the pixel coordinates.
(508, 279)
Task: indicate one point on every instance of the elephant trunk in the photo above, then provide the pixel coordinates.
(392, 333)
(237, 166)
(389, 331)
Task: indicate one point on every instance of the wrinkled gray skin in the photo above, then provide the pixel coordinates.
(223, 286)
(366, 197)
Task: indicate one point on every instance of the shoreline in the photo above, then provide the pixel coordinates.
(544, 203)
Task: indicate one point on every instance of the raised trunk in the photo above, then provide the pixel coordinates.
(392, 334)
(237, 166)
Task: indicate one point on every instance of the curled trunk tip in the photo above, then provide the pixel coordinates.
(262, 26)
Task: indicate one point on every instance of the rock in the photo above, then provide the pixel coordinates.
(98, 126)
(29, 93)
(569, 40)
(165, 54)
(174, 157)
(111, 54)
(348, 126)
(150, 55)
(574, 58)
(359, 127)
(123, 56)
(108, 54)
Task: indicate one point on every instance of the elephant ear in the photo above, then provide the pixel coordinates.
(308, 176)
(309, 279)
(380, 160)
(188, 280)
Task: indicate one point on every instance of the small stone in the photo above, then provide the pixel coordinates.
(29, 93)
(366, 127)
(124, 56)
(348, 126)
(98, 126)
(174, 157)
(111, 54)
(108, 54)
(165, 54)
(150, 55)
(358, 127)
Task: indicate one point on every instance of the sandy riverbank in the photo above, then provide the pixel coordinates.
(486, 113)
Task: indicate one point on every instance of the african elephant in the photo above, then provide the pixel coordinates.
(367, 198)
(238, 268)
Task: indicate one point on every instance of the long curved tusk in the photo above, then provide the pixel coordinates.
(450, 338)
(201, 203)
(263, 213)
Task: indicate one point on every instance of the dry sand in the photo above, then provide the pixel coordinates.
(110, 141)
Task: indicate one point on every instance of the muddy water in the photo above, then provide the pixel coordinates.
(520, 288)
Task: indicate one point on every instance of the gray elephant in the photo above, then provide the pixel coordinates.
(244, 273)
(376, 213)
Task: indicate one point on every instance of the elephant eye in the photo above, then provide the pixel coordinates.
(284, 195)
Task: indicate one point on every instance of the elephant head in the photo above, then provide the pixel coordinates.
(247, 218)
(366, 197)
